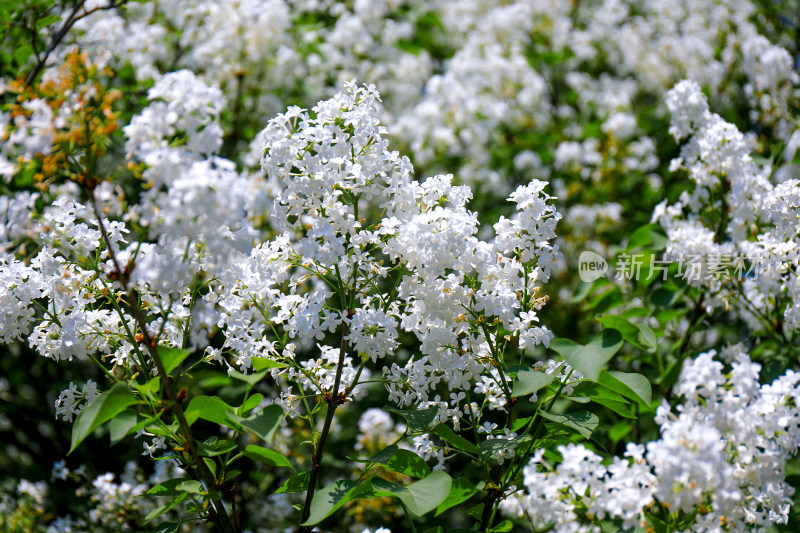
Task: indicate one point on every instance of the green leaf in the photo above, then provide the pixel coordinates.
(589, 359)
(172, 357)
(583, 422)
(619, 430)
(261, 363)
(208, 380)
(408, 463)
(122, 425)
(264, 423)
(397, 460)
(421, 496)
(647, 337)
(663, 298)
(327, 499)
(637, 334)
(437, 529)
(490, 447)
(619, 407)
(212, 465)
(455, 440)
(520, 423)
(650, 236)
(659, 526)
(22, 53)
(158, 511)
(461, 489)
(529, 381)
(475, 512)
(673, 373)
(660, 239)
(296, 483)
(629, 384)
(167, 527)
(267, 456)
(176, 487)
(608, 300)
(384, 455)
(250, 404)
(214, 446)
(584, 289)
(250, 379)
(502, 527)
(102, 409)
(591, 389)
(150, 389)
(49, 20)
(416, 419)
(211, 408)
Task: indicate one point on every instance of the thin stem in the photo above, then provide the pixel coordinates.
(102, 367)
(370, 466)
(218, 513)
(487, 515)
(408, 517)
(499, 367)
(535, 424)
(355, 379)
(318, 451)
(128, 332)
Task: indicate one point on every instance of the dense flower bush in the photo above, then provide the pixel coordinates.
(399, 266)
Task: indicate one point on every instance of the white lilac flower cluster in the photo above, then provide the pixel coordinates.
(469, 69)
(477, 74)
(733, 210)
(722, 453)
(37, 492)
(71, 401)
(377, 430)
(181, 107)
(348, 212)
(112, 502)
(25, 135)
(109, 498)
(197, 214)
(336, 175)
(71, 327)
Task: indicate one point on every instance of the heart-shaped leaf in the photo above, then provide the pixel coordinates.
(589, 359)
(102, 409)
(639, 335)
(417, 419)
(172, 357)
(529, 381)
(454, 439)
(628, 384)
(583, 422)
(211, 408)
(265, 455)
(421, 496)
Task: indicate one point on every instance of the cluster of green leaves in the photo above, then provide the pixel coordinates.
(26, 33)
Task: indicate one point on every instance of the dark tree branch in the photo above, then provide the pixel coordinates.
(75, 15)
